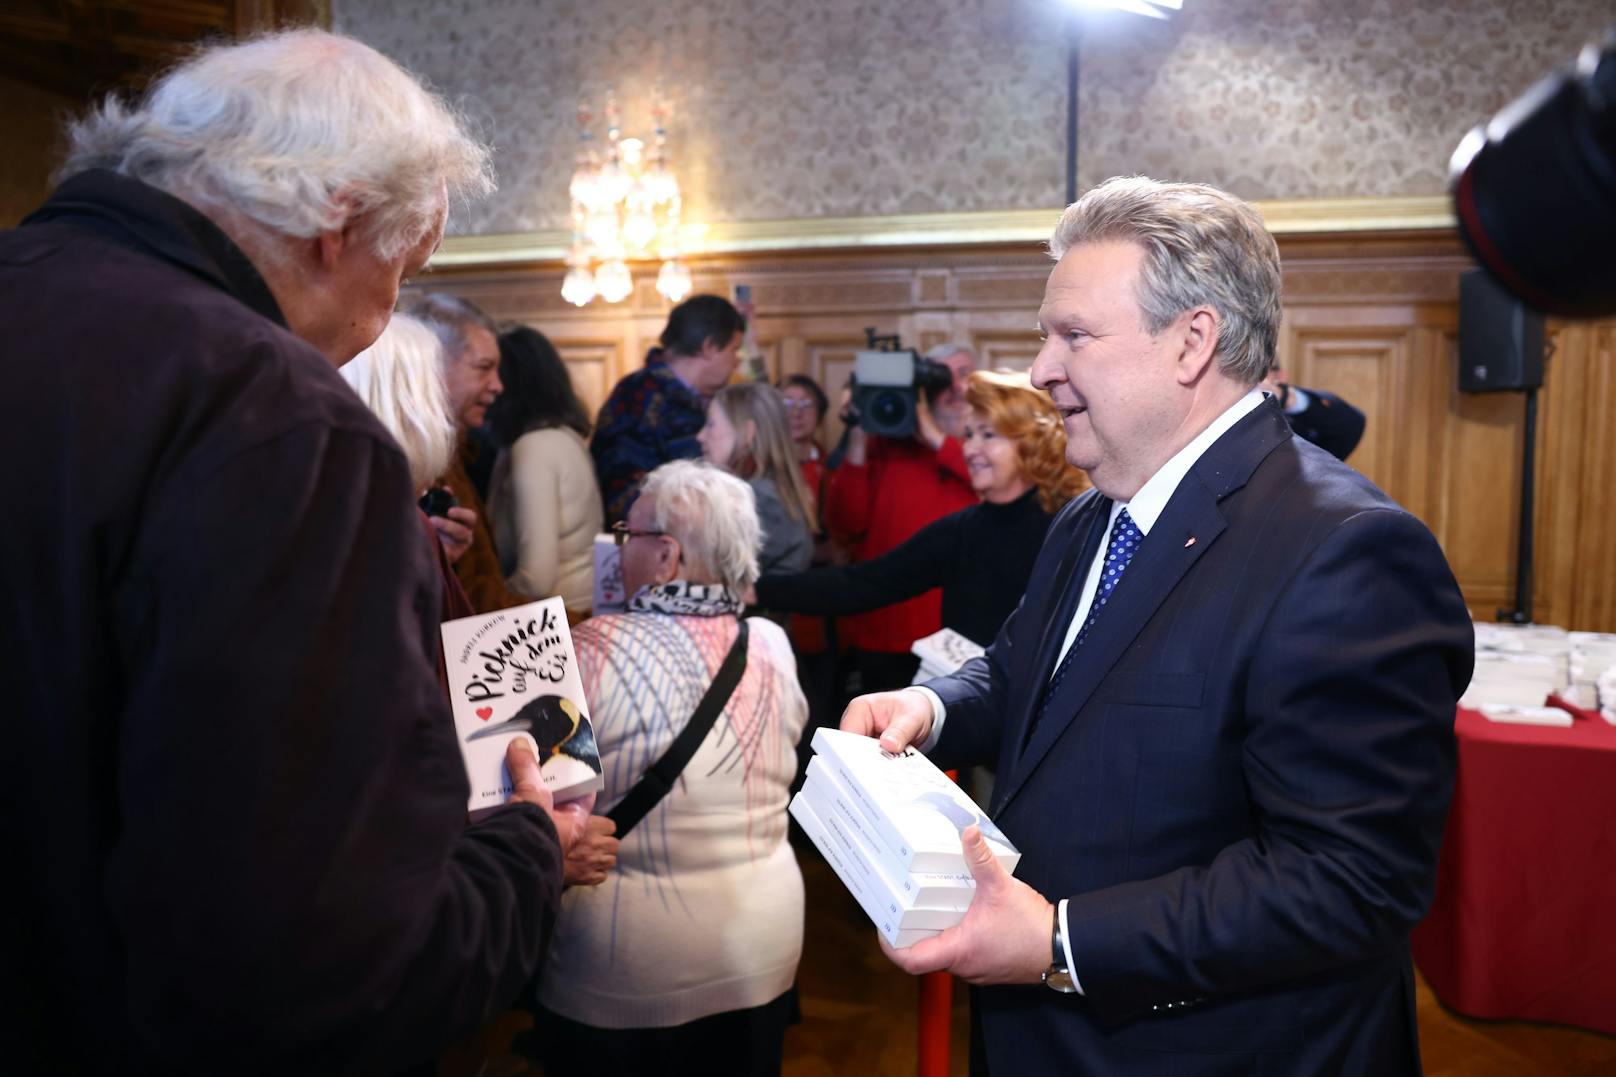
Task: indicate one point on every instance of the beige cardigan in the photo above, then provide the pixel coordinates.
(545, 510)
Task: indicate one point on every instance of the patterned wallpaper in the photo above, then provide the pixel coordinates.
(846, 108)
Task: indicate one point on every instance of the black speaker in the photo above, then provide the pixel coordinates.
(1500, 339)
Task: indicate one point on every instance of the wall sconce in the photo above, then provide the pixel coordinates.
(625, 204)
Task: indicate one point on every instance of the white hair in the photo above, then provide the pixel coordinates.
(713, 514)
(400, 378)
(951, 348)
(1201, 246)
(301, 131)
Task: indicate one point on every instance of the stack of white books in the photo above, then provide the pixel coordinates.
(890, 827)
(1513, 679)
(1517, 668)
(941, 653)
(1515, 715)
(1593, 654)
(1529, 639)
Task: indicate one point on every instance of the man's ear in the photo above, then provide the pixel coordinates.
(329, 245)
(1198, 344)
(332, 242)
(667, 566)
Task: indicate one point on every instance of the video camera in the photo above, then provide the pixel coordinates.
(1535, 190)
(887, 382)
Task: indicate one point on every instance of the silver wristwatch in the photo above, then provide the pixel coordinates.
(1057, 977)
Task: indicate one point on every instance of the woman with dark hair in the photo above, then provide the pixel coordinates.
(542, 498)
(981, 556)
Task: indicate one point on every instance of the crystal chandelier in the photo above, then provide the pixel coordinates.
(625, 204)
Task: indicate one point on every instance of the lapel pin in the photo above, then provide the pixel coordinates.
(1189, 542)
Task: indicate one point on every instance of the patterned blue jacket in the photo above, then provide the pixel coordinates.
(650, 418)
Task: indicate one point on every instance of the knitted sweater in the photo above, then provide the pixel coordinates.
(704, 911)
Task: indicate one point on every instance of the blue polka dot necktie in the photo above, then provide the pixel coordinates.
(1125, 540)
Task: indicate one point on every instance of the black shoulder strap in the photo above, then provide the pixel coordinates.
(650, 790)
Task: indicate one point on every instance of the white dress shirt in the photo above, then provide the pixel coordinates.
(1145, 509)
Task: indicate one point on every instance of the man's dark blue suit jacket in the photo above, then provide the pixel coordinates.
(1241, 783)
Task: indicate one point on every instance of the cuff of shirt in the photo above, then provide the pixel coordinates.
(1066, 944)
(930, 742)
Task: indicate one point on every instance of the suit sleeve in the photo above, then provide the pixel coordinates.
(300, 888)
(1349, 758)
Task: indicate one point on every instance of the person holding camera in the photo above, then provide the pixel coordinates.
(884, 491)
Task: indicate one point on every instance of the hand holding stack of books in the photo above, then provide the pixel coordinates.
(890, 827)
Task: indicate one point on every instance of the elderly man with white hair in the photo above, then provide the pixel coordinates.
(235, 806)
(682, 961)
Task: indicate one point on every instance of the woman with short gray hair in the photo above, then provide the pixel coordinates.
(683, 960)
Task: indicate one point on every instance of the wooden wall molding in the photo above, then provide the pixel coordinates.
(1370, 315)
(1303, 216)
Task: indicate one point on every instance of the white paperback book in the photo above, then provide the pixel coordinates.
(513, 673)
(856, 883)
(913, 807)
(608, 596)
(943, 652)
(912, 890)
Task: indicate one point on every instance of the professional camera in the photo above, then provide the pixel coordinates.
(1535, 190)
(887, 383)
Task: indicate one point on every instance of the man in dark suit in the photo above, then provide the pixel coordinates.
(1321, 417)
(1223, 714)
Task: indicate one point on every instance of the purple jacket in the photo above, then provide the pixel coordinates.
(232, 797)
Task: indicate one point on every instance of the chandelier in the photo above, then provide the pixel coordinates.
(625, 204)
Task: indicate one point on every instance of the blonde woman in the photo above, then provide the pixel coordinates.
(749, 435)
(400, 379)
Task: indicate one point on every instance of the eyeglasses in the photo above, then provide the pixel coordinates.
(799, 405)
(622, 532)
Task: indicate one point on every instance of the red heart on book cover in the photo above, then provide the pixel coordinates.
(485, 713)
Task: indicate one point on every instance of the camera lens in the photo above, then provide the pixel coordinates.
(889, 409)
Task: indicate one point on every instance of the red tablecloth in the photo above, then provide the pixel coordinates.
(1524, 920)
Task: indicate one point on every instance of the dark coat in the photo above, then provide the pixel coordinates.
(233, 803)
(1241, 782)
(1328, 422)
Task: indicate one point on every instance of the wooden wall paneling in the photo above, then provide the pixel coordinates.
(830, 361)
(1576, 553)
(1562, 415)
(1370, 317)
(594, 364)
(1594, 606)
(1480, 494)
